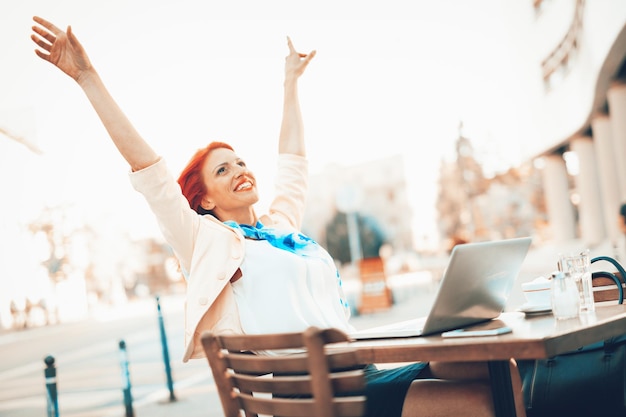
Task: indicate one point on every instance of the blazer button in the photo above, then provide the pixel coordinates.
(203, 301)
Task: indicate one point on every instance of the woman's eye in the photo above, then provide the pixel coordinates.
(221, 170)
(242, 164)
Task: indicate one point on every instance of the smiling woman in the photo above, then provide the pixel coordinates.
(220, 186)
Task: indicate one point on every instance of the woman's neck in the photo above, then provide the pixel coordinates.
(243, 217)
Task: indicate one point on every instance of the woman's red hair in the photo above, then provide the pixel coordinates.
(191, 181)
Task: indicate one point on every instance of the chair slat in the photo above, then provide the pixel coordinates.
(345, 407)
(277, 406)
(258, 364)
(300, 385)
(295, 363)
(342, 359)
(342, 382)
(607, 293)
(354, 407)
(605, 288)
(262, 341)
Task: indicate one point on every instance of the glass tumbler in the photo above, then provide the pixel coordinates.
(579, 268)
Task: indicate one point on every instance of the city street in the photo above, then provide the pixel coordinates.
(88, 362)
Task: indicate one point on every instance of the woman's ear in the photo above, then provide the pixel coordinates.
(206, 203)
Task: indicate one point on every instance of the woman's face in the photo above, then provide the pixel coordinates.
(231, 188)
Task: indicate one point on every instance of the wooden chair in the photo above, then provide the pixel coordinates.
(608, 286)
(291, 376)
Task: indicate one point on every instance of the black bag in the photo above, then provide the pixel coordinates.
(590, 381)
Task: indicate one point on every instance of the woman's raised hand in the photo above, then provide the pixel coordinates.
(296, 62)
(61, 49)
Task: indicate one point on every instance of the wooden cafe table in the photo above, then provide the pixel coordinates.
(533, 337)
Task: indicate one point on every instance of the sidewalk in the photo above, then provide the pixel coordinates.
(196, 400)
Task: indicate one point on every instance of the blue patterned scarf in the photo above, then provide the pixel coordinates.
(290, 241)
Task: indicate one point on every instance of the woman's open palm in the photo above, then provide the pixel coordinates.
(61, 49)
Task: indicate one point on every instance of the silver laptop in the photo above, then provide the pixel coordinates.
(475, 287)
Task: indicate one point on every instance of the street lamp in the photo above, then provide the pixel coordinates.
(348, 200)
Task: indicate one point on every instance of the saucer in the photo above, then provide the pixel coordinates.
(532, 309)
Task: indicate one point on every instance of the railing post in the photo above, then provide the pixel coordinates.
(128, 398)
(166, 354)
(50, 374)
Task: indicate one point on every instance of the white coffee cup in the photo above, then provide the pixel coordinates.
(538, 292)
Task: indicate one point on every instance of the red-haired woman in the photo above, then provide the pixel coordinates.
(249, 273)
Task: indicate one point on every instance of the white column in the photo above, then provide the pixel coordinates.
(607, 173)
(558, 204)
(590, 213)
(616, 96)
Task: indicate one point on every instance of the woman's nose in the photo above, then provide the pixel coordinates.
(239, 171)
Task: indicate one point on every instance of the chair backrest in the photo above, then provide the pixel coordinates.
(606, 287)
(609, 286)
(286, 374)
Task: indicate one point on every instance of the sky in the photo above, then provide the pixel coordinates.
(392, 77)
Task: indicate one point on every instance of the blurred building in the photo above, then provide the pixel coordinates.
(461, 184)
(472, 207)
(573, 180)
(580, 50)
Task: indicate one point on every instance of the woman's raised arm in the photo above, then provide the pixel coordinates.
(291, 138)
(63, 50)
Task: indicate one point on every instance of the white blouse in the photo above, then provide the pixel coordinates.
(283, 292)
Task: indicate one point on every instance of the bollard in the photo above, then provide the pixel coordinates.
(166, 354)
(128, 398)
(51, 387)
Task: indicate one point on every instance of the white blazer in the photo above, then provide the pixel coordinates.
(210, 251)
